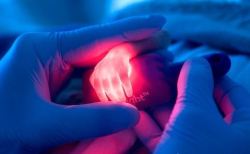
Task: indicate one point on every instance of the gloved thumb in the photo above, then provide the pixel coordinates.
(81, 122)
(85, 46)
(195, 84)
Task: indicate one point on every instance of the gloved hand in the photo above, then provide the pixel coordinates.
(195, 124)
(34, 70)
(117, 143)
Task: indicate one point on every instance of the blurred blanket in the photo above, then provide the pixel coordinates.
(204, 27)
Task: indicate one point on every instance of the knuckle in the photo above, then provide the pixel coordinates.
(91, 80)
(25, 43)
(105, 83)
(25, 36)
(26, 39)
(115, 81)
(124, 77)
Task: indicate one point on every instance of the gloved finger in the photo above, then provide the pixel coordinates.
(75, 123)
(231, 97)
(148, 131)
(219, 62)
(162, 113)
(118, 143)
(83, 46)
(159, 40)
(195, 85)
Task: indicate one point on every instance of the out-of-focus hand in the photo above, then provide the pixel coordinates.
(111, 77)
(36, 67)
(195, 125)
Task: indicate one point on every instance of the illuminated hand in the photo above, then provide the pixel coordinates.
(195, 125)
(111, 76)
(34, 70)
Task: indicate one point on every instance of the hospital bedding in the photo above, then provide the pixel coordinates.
(204, 27)
(196, 29)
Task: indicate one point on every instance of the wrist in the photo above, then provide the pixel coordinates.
(124, 51)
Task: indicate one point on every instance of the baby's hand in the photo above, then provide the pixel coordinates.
(111, 76)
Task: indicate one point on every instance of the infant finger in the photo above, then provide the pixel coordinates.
(126, 83)
(109, 89)
(117, 86)
(99, 89)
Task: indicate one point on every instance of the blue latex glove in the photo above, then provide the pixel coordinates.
(195, 124)
(35, 68)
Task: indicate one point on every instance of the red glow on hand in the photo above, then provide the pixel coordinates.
(111, 76)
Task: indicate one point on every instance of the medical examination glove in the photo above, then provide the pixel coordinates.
(34, 70)
(196, 124)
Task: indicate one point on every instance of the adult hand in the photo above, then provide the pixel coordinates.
(34, 70)
(117, 143)
(195, 124)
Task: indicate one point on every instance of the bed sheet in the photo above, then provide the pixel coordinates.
(205, 27)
